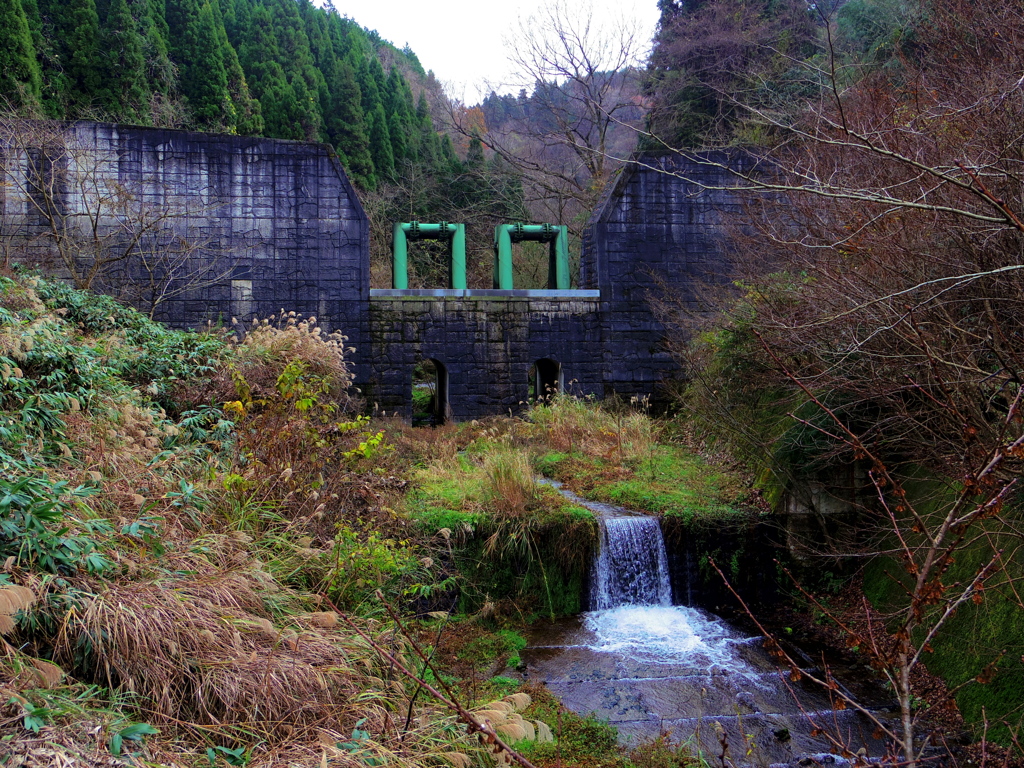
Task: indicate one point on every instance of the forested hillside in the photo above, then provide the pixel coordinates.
(276, 68)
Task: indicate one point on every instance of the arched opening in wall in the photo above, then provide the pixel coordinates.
(430, 394)
(545, 380)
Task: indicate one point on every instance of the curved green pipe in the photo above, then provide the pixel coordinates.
(558, 253)
(403, 232)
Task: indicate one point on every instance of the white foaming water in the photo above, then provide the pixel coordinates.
(633, 614)
(665, 634)
(631, 567)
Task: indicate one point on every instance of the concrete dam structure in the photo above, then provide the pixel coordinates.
(265, 224)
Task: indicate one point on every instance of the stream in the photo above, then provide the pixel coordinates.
(648, 667)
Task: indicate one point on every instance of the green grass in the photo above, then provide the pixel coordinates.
(672, 481)
(421, 400)
(446, 499)
(580, 741)
(533, 554)
(502, 646)
(683, 502)
(500, 686)
(550, 463)
(514, 642)
(431, 518)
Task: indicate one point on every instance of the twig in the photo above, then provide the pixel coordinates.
(486, 731)
(776, 650)
(437, 642)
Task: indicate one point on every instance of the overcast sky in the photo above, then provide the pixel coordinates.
(463, 40)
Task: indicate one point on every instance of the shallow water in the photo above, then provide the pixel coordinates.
(682, 671)
(661, 635)
(649, 667)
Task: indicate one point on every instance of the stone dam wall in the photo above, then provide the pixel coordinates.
(657, 238)
(487, 342)
(266, 225)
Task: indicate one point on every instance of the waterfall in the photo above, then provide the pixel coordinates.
(631, 567)
(652, 668)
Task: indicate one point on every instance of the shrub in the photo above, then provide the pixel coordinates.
(34, 530)
(283, 340)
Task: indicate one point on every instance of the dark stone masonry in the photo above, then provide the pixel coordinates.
(278, 225)
(487, 342)
(656, 237)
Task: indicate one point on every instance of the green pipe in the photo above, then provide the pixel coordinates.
(503, 256)
(403, 232)
(558, 254)
(399, 258)
(560, 279)
(458, 261)
(537, 232)
(415, 230)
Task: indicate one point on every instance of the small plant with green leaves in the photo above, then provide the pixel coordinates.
(135, 732)
(35, 530)
(359, 747)
(372, 446)
(361, 565)
(231, 756)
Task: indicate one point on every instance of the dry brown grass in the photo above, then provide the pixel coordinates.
(416, 444)
(193, 628)
(222, 654)
(510, 486)
(571, 425)
(263, 350)
(203, 653)
(13, 598)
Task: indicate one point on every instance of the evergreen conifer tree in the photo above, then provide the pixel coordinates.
(229, 13)
(43, 38)
(380, 145)
(380, 80)
(368, 88)
(475, 155)
(161, 74)
(76, 35)
(196, 49)
(399, 114)
(425, 137)
(35, 23)
(248, 111)
(346, 125)
(158, 17)
(248, 114)
(447, 160)
(297, 62)
(125, 83)
(20, 78)
(398, 133)
(258, 55)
